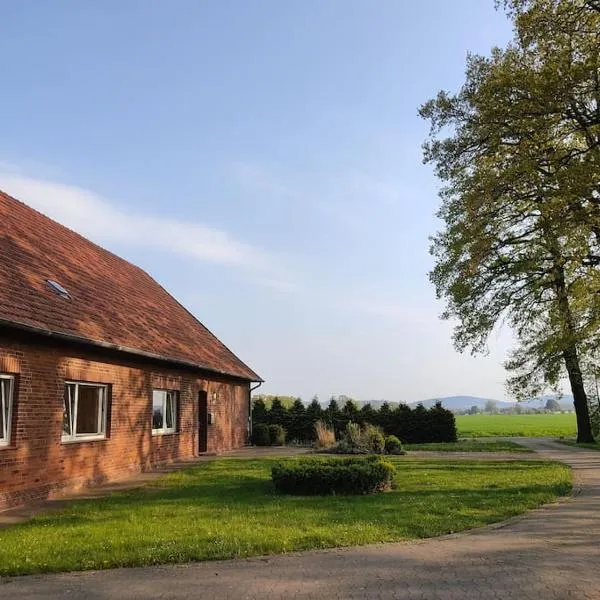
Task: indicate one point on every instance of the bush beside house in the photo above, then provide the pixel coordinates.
(268, 435)
(260, 434)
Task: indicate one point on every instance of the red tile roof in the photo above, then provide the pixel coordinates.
(113, 303)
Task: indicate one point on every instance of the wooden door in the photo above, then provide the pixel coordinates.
(202, 421)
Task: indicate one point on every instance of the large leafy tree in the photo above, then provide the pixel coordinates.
(518, 149)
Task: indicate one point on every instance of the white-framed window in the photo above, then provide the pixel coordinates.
(84, 411)
(164, 411)
(6, 402)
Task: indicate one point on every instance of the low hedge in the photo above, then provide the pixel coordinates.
(331, 476)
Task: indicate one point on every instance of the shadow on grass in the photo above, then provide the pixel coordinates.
(218, 489)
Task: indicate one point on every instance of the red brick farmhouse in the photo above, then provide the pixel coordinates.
(102, 372)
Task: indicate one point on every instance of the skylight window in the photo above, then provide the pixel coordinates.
(59, 289)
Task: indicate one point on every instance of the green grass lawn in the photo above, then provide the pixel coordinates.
(227, 508)
(543, 425)
(470, 446)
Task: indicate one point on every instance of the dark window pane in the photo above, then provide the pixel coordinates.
(88, 405)
(68, 401)
(158, 398)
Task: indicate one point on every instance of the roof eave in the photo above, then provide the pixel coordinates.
(69, 337)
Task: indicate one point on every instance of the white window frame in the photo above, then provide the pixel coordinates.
(166, 430)
(102, 413)
(6, 406)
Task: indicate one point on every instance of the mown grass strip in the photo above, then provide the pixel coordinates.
(228, 508)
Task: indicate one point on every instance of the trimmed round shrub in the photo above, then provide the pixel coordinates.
(331, 476)
(393, 445)
(276, 435)
(260, 435)
(374, 439)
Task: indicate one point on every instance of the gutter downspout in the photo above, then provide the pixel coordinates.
(250, 410)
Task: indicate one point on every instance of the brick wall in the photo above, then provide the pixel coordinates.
(37, 464)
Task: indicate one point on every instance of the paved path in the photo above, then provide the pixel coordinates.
(551, 554)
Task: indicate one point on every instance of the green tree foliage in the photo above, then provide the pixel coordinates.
(297, 422)
(518, 150)
(333, 416)
(277, 435)
(314, 413)
(366, 414)
(552, 405)
(438, 424)
(260, 434)
(278, 414)
(350, 412)
(384, 418)
(286, 401)
(259, 411)
(411, 426)
(490, 407)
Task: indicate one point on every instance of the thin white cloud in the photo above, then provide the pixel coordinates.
(97, 218)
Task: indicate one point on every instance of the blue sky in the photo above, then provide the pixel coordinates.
(261, 160)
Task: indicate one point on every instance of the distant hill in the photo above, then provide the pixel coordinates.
(458, 403)
(462, 403)
(377, 404)
(566, 402)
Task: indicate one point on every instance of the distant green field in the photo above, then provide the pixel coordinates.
(547, 425)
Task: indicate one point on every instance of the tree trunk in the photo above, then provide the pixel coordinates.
(582, 412)
(571, 357)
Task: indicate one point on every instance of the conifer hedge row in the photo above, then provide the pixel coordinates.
(411, 425)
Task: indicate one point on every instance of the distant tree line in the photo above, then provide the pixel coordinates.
(267, 399)
(410, 425)
(491, 408)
